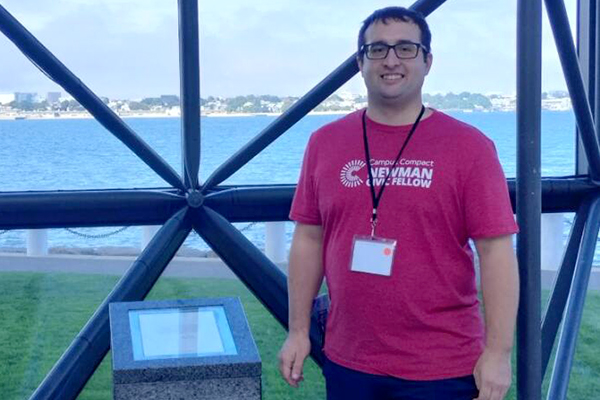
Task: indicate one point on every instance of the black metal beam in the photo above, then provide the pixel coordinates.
(594, 92)
(562, 285)
(245, 260)
(295, 113)
(77, 364)
(559, 194)
(189, 70)
(246, 203)
(586, 22)
(59, 73)
(568, 337)
(263, 278)
(28, 210)
(286, 120)
(529, 197)
(253, 203)
(426, 7)
(557, 14)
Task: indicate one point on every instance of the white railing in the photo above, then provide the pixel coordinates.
(37, 242)
(276, 249)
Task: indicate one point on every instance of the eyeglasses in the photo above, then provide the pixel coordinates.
(403, 50)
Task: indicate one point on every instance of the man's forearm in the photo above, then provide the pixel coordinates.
(500, 287)
(305, 276)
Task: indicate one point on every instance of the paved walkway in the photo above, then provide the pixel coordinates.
(195, 267)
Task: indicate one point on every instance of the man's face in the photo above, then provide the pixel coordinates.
(394, 80)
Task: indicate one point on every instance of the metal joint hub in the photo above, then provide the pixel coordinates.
(194, 198)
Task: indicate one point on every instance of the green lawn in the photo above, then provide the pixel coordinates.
(40, 313)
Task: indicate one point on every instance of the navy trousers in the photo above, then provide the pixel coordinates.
(347, 384)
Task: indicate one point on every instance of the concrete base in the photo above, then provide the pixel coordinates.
(228, 389)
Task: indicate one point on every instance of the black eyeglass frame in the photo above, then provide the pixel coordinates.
(365, 47)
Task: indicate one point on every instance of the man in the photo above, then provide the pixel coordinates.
(387, 200)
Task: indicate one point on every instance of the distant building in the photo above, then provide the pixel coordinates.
(53, 97)
(174, 111)
(25, 97)
(7, 98)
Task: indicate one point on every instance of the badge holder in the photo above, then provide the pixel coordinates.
(372, 255)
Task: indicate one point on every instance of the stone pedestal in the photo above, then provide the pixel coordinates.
(195, 349)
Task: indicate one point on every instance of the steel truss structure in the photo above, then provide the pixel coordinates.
(210, 208)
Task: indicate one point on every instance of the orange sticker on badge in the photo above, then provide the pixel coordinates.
(387, 251)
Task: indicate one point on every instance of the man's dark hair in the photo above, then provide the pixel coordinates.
(397, 13)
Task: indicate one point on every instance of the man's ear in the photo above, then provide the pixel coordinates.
(359, 61)
(428, 61)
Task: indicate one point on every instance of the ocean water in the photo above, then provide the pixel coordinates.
(80, 154)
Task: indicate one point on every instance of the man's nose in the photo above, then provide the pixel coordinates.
(391, 59)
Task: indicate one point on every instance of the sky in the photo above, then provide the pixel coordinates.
(128, 49)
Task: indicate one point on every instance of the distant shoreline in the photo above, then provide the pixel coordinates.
(86, 115)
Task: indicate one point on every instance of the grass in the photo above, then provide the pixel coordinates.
(40, 313)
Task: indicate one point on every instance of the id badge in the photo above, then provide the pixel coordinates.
(372, 255)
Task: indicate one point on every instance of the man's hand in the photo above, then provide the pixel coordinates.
(493, 375)
(291, 358)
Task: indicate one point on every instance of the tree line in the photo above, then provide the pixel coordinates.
(270, 103)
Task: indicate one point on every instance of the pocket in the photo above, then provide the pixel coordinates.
(466, 388)
(326, 369)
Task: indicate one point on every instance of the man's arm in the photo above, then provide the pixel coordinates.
(304, 280)
(500, 288)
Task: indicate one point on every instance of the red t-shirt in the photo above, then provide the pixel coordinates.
(423, 322)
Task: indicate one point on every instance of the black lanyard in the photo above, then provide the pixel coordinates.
(377, 197)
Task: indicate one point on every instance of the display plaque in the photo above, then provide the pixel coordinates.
(180, 332)
(183, 348)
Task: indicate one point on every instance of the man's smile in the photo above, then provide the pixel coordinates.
(392, 77)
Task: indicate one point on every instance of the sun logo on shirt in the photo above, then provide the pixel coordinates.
(348, 174)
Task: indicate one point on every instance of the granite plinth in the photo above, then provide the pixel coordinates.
(207, 389)
(229, 372)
